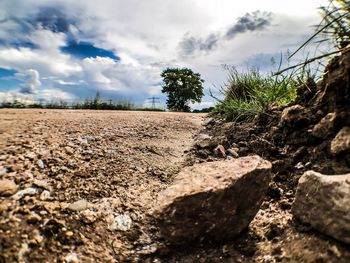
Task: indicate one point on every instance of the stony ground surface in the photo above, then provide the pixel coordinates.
(79, 184)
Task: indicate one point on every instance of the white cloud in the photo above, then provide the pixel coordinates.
(203, 104)
(70, 83)
(45, 95)
(155, 90)
(53, 94)
(33, 82)
(43, 61)
(48, 40)
(94, 69)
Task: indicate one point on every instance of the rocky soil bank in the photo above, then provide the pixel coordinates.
(307, 142)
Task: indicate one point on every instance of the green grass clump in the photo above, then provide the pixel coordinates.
(336, 22)
(249, 94)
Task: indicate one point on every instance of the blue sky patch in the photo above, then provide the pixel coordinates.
(7, 79)
(7, 72)
(86, 50)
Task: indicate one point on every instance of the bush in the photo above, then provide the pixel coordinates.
(248, 94)
(13, 104)
(57, 105)
(104, 105)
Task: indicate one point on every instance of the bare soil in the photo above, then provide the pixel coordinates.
(116, 161)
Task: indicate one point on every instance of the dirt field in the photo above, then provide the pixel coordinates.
(113, 163)
(81, 186)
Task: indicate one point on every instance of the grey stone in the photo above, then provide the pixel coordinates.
(79, 205)
(31, 155)
(42, 184)
(233, 152)
(214, 200)
(204, 141)
(3, 170)
(72, 257)
(323, 201)
(28, 191)
(45, 195)
(325, 127)
(341, 142)
(292, 114)
(208, 121)
(40, 164)
(7, 187)
(220, 151)
(122, 223)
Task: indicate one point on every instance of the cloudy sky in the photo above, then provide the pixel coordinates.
(67, 50)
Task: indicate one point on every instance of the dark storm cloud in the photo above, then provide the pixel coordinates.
(49, 18)
(250, 22)
(190, 44)
(53, 18)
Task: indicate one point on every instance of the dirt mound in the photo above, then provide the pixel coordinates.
(310, 134)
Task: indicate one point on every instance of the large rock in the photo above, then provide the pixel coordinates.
(323, 201)
(341, 142)
(215, 200)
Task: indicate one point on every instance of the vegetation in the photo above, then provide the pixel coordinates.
(334, 29)
(13, 104)
(89, 104)
(335, 24)
(182, 86)
(248, 94)
(204, 110)
(104, 105)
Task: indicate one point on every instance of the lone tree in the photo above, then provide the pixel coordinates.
(181, 86)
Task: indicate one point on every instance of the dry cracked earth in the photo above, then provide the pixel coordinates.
(81, 184)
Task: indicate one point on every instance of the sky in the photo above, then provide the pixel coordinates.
(52, 50)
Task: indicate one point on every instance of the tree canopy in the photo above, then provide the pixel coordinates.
(182, 86)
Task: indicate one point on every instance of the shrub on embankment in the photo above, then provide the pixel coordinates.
(247, 94)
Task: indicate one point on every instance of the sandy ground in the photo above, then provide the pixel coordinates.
(114, 163)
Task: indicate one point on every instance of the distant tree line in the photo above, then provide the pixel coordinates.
(89, 104)
(204, 110)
